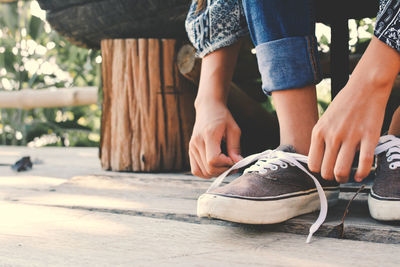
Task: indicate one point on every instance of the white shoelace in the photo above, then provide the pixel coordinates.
(271, 159)
(391, 144)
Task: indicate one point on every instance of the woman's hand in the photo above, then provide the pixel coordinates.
(354, 119)
(214, 123)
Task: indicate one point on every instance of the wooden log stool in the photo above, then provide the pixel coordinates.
(148, 112)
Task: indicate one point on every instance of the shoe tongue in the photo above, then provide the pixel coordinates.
(286, 148)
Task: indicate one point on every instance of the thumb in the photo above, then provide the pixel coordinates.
(233, 143)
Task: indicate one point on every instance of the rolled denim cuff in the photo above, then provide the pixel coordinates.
(288, 63)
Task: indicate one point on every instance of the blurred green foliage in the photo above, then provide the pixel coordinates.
(34, 56)
(360, 34)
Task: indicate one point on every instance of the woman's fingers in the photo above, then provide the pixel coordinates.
(233, 142)
(213, 123)
(366, 159)
(212, 151)
(335, 161)
(344, 162)
(316, 153)
(206, 159)
(329, 160)
(214, 161)
(195, 167)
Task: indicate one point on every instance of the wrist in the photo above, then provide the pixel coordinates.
(209, 100)
(216, 75)
(364, 90)
(377, 69)
(377, 77)
(371, 82)
(212, 92)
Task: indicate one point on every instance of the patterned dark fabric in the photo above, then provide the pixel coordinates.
(388, 23)
(221, 24)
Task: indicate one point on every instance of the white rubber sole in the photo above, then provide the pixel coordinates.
(384, 210)
(261, 211)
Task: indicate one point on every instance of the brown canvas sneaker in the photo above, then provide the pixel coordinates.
(384, 199)
(276, 188)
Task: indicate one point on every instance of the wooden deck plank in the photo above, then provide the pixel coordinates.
(166, 196)
(173, 196)
(47, 236)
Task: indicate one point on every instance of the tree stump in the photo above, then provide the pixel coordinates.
(148, 112)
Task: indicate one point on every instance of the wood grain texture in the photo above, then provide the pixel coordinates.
(170, 196)
(105, 139)
(50, 236)
(174, 197)
(148, 112)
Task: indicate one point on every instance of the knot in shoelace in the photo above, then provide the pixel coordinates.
(271, 159)
(390, 144)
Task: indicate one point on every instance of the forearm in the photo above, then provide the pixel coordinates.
(378, 68)
(216, 74)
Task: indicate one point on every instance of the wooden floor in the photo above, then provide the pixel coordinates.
(68, 212)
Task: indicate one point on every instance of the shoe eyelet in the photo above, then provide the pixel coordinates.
(274, 167)
(284, 165)
(389, 159)
(392, 166)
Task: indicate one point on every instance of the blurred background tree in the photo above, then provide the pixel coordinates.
(32, 55)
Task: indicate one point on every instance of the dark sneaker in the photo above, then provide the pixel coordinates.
(276, 188)
(384, 199)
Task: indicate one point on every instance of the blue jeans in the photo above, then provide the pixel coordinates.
(283, 32)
